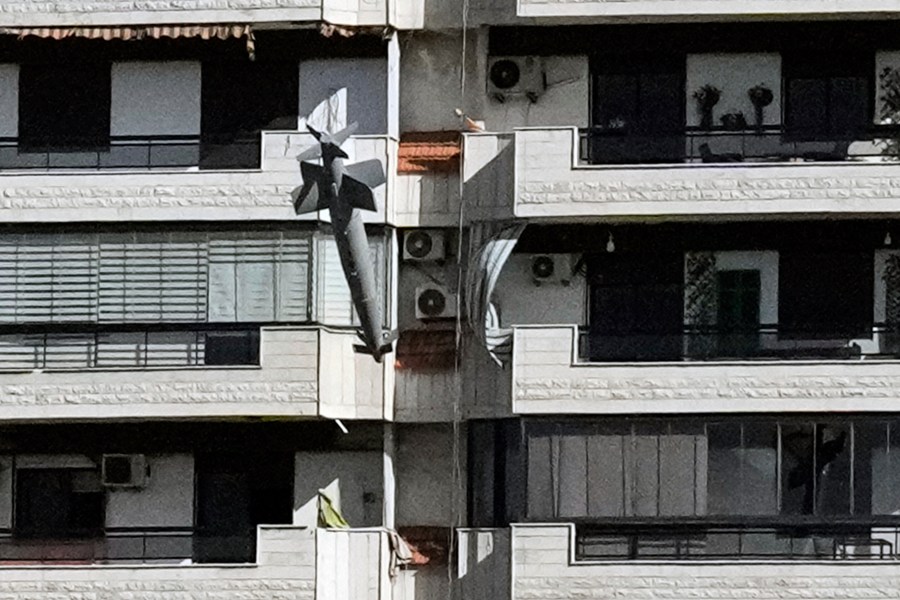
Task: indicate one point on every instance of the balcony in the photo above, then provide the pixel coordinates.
(545, 174)
(572, 9)
(188, 373)
(170, 178)
(299, 562)
(775, 372)
(91, 13)
(545, 559)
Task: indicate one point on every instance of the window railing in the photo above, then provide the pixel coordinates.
(766, 342)
(130, 152)
(127, 348)
(129, 546)
(600, 146)
(771, 541)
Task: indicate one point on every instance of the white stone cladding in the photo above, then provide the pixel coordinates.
(543, 569)
(551, 184)
(618, 8)
(405, 14)
(304, 372)
(547, 379)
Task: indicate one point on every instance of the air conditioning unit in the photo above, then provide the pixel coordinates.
(434, 302)
(515, 76)
(124, 470)
(424, 245)
(552, 269)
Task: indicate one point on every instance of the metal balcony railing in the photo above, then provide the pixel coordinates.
(130, 152)
(763, 541)
(599, 146)
(128, 546)
(23, 348)
(766, 342)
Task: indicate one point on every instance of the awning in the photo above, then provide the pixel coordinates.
(154, 32)
(422, 152)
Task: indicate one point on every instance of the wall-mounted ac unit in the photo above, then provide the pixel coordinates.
(124, 470)
(424, 245)
(552, 269)
(434, 302)
(515, 76)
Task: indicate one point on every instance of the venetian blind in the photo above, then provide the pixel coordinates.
(155, 277)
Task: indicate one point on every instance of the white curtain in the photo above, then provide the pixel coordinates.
(489, 247)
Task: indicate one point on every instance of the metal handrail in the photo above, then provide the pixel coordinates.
(699, 541)
(763, 342)
(132, 152)
(719, 145)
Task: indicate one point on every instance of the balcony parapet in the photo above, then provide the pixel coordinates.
(303, 372)
(405, 14)
(570, 9)
(545, 179)
(544, 562)
(86, 192)
(293, 562)
(547, 377)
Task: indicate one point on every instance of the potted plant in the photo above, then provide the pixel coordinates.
(760, 96)
(734, 121)
(707, 97)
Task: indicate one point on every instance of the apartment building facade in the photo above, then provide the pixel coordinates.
(641, 257)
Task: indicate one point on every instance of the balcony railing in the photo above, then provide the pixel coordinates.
(766, 342)
(767, 145)
(765, 541)
(23, 348)
(130, 152)
(153, 545)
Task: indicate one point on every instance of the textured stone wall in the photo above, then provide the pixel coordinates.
(549, 184)
(547, 380)
(287, 384)
(543, 570)
(600, 8)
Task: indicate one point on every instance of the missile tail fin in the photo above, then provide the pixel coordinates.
(341, 136)
(368, 172)
(307, 198)
(359, 195)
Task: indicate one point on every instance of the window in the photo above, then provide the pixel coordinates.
(638, 109)
(64, 106)
(238, 100)
(825, 294)
(738, 312)
(828, 95)
(58, 503)
(232, 348)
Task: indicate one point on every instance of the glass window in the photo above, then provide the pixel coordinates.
(64, 105)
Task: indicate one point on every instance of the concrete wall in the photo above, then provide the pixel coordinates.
(543, 567)
(424, 466)
(352, 480)
(483, 566)
(166, 501)
(733, 74)
(431, 87)
(520, 302)
(547, 380)
(337, 92)
(155, 98)
(352, 565)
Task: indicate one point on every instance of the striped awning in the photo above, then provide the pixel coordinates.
(155, 32)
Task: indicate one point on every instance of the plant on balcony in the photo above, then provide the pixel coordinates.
(760, 96)
(707, 97)
(889, 114)
(734, 121)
